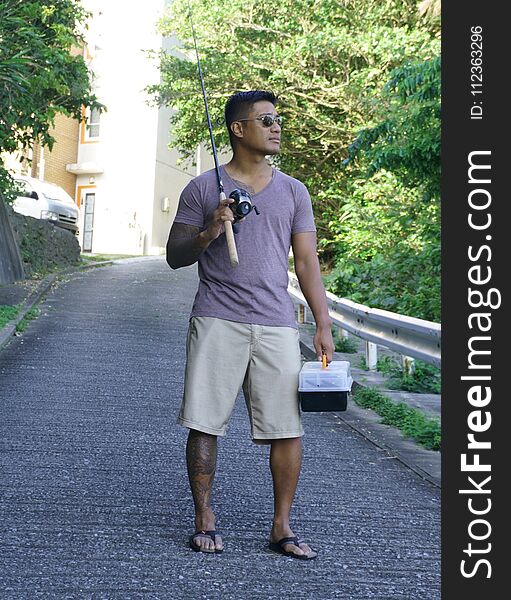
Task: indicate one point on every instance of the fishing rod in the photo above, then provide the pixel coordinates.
(229, 233)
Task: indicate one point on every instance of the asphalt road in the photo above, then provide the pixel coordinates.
(94, 498)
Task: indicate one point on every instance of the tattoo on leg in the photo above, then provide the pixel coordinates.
(201, 453)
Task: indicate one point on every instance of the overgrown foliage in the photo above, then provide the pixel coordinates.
(407, 140)
(39, 76)
(412, 422)
(424, 378)
(343, 73)
(389, 251)
(347, 344)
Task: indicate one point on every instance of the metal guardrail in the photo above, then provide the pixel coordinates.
(408, 336)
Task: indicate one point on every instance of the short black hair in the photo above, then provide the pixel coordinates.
(239, 104)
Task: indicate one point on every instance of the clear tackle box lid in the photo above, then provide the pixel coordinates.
(334, 378)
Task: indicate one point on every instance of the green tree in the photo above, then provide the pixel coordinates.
(39, 76)
(389, 256)
(407, 140)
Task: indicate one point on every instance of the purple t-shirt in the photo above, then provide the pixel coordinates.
(256, 290)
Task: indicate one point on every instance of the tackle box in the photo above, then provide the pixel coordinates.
(324, 388)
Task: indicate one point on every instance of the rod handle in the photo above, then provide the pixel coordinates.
(229, 234)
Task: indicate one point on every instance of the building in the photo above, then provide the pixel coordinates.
(127, 179)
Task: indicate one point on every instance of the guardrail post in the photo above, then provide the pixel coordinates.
(371, 355)
(408, 365)
(343, 333)
(302, 313)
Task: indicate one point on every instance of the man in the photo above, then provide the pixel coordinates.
(244, 316)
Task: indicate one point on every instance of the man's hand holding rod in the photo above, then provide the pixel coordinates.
(186, 243)
(227, 217)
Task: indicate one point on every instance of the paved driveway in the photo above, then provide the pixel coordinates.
(94, 498)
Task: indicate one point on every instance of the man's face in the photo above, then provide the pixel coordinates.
(258, 136)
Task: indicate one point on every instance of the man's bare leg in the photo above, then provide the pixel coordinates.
(201, 454)
(285, 464)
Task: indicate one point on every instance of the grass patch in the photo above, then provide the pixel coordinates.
(362, 363)
(32, 314)
(348, 345)
(424, 379)
(412, 422)
(7, 314)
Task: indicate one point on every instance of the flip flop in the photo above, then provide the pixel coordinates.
(279, 548)
(196, 548)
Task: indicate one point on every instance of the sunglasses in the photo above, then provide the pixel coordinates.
(266, 120)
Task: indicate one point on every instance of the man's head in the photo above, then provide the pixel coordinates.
(245, 112)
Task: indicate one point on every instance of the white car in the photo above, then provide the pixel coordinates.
(43, 200)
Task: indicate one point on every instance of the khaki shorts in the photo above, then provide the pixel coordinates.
(224, 356)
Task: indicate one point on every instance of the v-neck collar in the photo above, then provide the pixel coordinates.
(227, 176)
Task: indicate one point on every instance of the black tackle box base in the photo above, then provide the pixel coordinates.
(323, 401)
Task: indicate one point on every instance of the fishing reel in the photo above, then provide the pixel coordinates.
(242, 206)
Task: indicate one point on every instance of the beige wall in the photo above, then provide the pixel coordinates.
(65, 151)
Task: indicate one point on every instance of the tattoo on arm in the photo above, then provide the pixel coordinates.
(184, 245)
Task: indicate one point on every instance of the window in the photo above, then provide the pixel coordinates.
(93, 123)
(89, 127)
